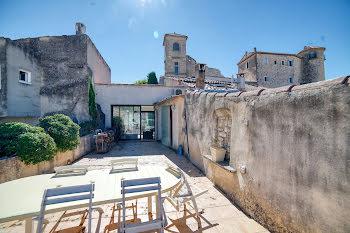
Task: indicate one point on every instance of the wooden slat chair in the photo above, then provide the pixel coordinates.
(71, 169)
(64, 194)
(137, 186)
(114, 225)
(124, 164)
(183, 193)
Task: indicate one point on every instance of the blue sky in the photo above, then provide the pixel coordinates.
(219, 32)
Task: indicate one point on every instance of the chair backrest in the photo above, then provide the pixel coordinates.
(124, 163)
(64, 194)
(71, 169)
(142, 185)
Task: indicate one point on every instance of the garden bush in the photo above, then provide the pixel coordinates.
(36, 147)
(9, 133)
(87, 127)
(63, 130)
(118, 127)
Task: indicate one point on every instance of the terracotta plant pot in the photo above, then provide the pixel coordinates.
(218, 154)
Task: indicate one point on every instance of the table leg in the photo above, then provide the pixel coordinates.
(28, 224)
(157, 207)
(150, 207)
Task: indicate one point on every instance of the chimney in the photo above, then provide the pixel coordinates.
(240, 82)
(200, 75)
(80, 28)
(254, 49)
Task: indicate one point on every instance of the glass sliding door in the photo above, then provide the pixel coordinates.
(138, 121)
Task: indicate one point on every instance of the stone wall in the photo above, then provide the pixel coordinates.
(12, 168)
(294, 144)
(278, 73)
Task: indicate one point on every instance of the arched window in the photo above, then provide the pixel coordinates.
(176, 47)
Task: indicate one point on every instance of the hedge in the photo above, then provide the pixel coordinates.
(63, 130)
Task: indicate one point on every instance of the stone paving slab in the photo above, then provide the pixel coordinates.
(219, 215)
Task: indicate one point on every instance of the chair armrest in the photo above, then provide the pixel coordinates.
(100, 211)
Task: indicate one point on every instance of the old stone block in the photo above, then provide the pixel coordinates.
(220, 129)
(222, 134)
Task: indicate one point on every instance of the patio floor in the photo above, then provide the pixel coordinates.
(219, 215)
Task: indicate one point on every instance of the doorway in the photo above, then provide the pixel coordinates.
(138, 121)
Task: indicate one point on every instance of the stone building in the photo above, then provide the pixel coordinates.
(272, 70)
(47, 75)
(177, 64)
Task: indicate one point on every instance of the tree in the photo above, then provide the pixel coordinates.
(152, 78)
(92, 101)
(141, 81)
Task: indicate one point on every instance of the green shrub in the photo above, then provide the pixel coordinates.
(118, 127)
(141, 81)
(33, 148)
(92, 101)
(86, 127)
(9, 133)
(63, 130)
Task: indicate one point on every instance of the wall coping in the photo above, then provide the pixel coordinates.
(224, 165)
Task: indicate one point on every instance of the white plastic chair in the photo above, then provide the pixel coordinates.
(64, 194)
(124, 164)
(71, 169)
(183, 192)
(142, 185)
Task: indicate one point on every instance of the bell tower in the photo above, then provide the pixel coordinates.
(175, 55)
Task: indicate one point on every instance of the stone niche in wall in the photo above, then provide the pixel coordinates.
(222, 130)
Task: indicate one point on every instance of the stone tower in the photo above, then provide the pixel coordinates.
(175, 55)
(312, 64)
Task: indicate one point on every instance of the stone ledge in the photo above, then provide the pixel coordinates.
(224, 164)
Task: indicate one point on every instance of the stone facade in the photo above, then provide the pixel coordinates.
(185, 63)
(60, 68)
(293, 144)
(276, 69)
(19, 98)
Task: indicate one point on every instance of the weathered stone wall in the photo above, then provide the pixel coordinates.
(295, 146)
(250, 72)
(23, 99)
(277, 73)
(313, 68)
(12, 168)
(66, 73)
(3, 79)
(100, 70)
(171, 56)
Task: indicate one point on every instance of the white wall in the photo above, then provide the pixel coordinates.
(130, 94)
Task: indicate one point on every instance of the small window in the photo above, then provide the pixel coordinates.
(176, 64)
(267, 78)
(275, 62)
(313, 54)
(282, 63)
(247, 65)
(266, 60)
(24, 77)
(291, 80)
(290, 63)
(176, 47)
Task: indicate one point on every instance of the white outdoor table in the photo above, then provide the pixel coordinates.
(21, 199)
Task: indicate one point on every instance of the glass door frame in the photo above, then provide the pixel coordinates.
(140, 117)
